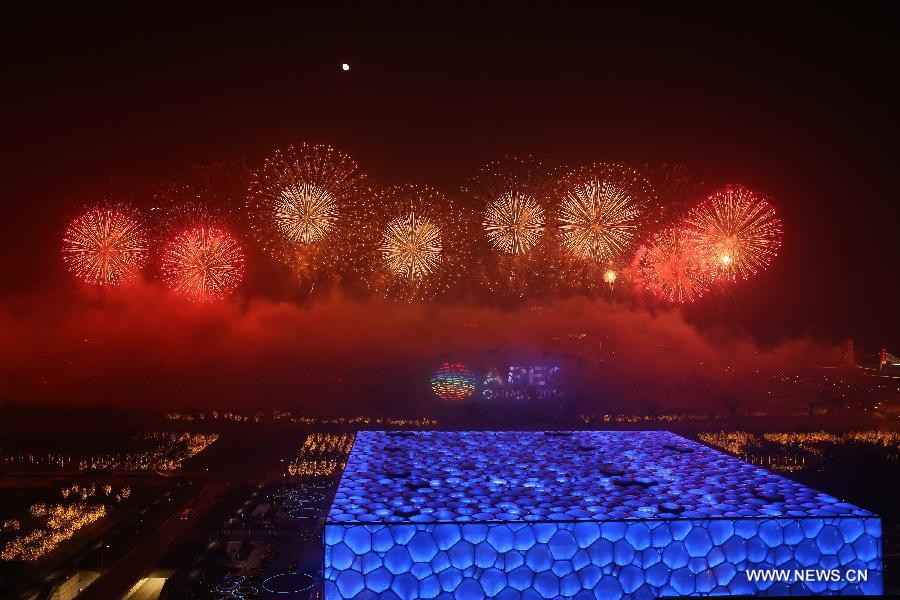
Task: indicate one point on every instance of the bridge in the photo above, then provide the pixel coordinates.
(886, 359)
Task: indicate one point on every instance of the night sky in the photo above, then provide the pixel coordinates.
(797, 101)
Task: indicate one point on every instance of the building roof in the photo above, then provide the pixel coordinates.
(421, 477)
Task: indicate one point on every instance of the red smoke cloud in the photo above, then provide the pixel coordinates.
(142, 347)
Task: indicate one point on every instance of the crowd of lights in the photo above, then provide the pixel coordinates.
(203, 264)
(59, 523)
(311, 207)
(216, 415)
(89, 490)
(11, 525)
(647, 418)
(885, 439)
(322, 454)
(167, 452)
(105, 247)
(453, 381)
(793, 451)
(279, 415)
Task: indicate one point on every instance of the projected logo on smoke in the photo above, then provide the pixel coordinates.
(538, 382)
(454, 381)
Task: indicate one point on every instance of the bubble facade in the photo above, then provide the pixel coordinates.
(580, 514)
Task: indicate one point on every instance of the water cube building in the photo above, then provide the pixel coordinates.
(583, 514)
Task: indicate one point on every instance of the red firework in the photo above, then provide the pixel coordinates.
(203, 264)
(105, 247)
(736, 231)
(672, 268)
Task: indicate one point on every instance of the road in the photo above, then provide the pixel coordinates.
(140, 561)
(220, 468)
(150, 587)
(72, 555)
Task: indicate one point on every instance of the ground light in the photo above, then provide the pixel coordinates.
(288, 583)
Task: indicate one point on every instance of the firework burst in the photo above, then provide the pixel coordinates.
(307, 201)
(516, 251)
(305, 213)
(736, 231)
(178, 206)
(411, 246)
(226, 180)
(513, 191)
(600, 211)
(676, 191)
(672, 268)
(203, 264)
(105, 247)
(418, 245)
(609, 277)
(514, 223)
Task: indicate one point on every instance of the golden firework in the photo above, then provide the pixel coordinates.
(514, 223)
(600, 212)
(411, 246)
(418, 251)
(305, 204)
(105, 247)
(305, 213)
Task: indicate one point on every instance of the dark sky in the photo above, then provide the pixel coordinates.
(797, 101)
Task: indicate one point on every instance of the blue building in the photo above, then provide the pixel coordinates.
(583, 514)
